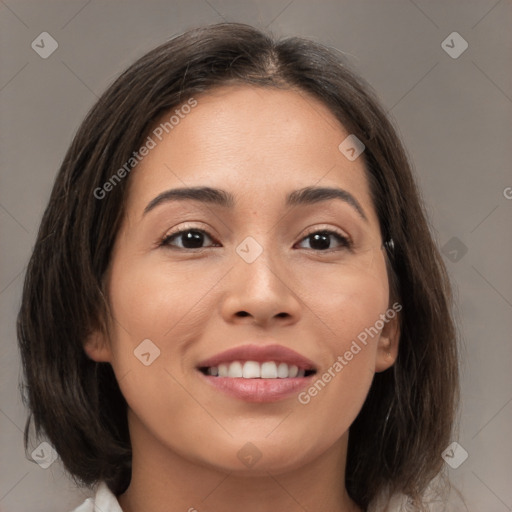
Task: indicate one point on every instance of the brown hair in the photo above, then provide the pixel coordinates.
(406, 421)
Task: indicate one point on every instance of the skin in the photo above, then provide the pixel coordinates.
(259, 144)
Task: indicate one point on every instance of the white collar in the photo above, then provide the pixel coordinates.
(104, 501)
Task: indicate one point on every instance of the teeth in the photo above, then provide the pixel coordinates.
(282, 371)
(235, 370)
(269, 370)
(255, 370)
(223, 370)
(251, 370)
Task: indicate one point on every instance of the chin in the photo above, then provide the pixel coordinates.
(259, 456)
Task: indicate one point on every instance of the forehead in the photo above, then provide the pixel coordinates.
(254, 141)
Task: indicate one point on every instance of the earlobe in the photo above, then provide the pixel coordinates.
(387, 348)
(97, 348)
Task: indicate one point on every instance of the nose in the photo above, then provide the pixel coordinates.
(261, 293)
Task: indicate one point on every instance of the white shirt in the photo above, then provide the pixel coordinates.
(105, 501)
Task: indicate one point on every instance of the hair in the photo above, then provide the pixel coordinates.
(406, 421)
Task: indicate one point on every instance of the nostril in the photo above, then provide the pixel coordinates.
(243, 313)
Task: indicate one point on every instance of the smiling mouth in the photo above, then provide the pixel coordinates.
(256, 370)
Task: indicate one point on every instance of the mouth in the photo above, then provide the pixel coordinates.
(256, 373)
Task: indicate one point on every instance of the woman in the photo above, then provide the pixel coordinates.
(234, 300)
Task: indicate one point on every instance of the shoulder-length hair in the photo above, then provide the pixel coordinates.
(396, 441)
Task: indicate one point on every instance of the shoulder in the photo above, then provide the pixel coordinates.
(103, 500)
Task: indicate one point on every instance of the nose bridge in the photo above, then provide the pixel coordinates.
(258, 264)
(258, 282)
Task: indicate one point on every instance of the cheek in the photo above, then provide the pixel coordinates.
(156, 312)
(356, 305)
(346, 298)
(156, 299)
(349, 306)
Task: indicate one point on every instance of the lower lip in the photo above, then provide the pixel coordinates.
(258, 390)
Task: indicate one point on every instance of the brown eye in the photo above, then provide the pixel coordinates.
(321, 240)
(190, 239)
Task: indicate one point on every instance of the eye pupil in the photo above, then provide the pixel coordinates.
(320, 241)
(193, 239)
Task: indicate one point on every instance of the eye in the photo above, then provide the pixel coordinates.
(321, 240)
(192, 238)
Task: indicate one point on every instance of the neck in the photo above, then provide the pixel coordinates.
(164, 481)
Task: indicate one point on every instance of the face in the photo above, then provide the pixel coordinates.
(281, 290)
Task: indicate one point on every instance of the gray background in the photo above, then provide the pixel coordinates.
(455, 118)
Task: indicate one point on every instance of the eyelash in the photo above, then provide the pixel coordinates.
(344, 241)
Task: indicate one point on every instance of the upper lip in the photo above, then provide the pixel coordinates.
(260, 354)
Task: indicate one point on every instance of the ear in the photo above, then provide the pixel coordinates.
(97, 347)
(387, 346)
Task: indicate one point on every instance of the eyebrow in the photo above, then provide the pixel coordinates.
(218, 197)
